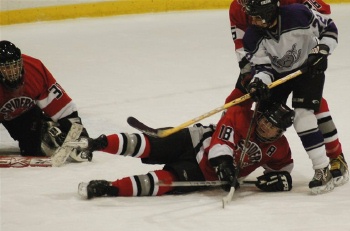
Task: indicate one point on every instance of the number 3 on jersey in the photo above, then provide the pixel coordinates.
(233, 32)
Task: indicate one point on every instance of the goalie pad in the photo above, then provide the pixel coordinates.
(275, 182)
(63, 152)
(53, 138)
(80, 156)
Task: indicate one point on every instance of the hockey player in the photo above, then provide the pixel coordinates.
(240, 21)
(34, 108)
(282, 40)
(192, 154)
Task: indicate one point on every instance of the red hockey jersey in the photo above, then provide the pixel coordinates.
(40, 88)
(229, 138)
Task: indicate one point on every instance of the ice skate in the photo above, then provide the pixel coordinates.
(97, 188)
(322, 181)
(339, 170)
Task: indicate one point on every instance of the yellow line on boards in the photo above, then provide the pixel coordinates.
(109, 8)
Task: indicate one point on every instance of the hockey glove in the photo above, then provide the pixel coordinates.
(58, 131)
(225, 170)
(57, 135)
(258, 90)
(275, 182)
(317, 60)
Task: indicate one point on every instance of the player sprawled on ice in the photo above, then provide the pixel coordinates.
(34, 108)
(282, 40)
(203, 153)
(239, 23)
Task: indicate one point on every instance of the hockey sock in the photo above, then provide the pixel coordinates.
(305, 124)
(135, 145)
(329, 131)
(145, 185)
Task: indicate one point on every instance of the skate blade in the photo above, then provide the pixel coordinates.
(82, 190)
(324, 188)
(341, 180)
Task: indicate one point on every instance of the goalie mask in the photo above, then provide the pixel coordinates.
(262, 12)
(273, 122)
(11, 65)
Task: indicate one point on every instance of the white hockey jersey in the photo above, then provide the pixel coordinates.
(277, 53)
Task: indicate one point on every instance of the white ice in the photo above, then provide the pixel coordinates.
(164, 69)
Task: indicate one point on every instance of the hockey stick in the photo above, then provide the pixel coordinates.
(228, 197)
(199, 183)
(192, 183)
(133, 122)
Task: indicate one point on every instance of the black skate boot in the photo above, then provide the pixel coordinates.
(97, 188)
(89, 144)
(97, 144)
(322, 181)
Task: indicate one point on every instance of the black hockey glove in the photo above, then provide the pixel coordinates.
(258, 90)
(65, 125)
(225, 170)
(317, 60)
(275, 182)
(58, 131)
(57, 135)
(80, 155)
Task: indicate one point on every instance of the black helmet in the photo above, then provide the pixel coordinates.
(279, 116)
(11, 65)
(265, 9)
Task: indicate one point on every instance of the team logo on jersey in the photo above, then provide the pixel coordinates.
(16, 107)
(253, 152)
(292, 56)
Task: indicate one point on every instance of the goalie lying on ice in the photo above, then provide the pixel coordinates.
(202, 153)
(29, 97)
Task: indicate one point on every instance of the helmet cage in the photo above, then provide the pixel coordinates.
(266, 10)
(11, 65)
(11, 73)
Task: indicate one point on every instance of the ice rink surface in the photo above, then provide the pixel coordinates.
(164, 69)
